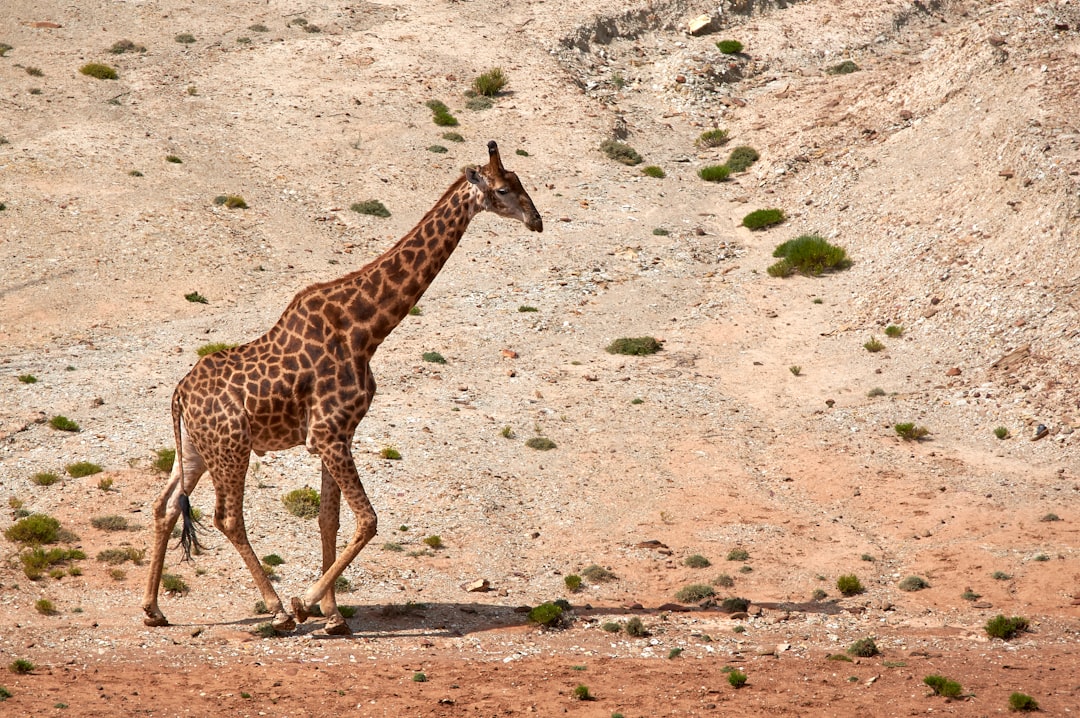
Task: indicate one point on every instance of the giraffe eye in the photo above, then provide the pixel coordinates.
(503, 190)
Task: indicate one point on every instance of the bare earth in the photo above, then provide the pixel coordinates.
(948, 166)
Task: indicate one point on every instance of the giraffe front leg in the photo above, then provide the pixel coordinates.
(329, 521)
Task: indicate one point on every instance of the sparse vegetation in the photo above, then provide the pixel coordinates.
(653, 171)
(452, 137)
(34, 72)
(738, 554)
(105, 483)
(164, 460)
(83, 468)
(441, 114)
(913, 583)
(573, 582)
(117, 556)
(1005, 628)
(763, 218)
(34, 529)
(99, 71)
(196, 298)
(4, 692)
(173, 159)
(969, 595)
(611, 626)
(21, 665)
(795, 369)
(524, 308)
(540, 443)
(173, 583)
(1022, 702)
(45, 607)
(373, 207)
(303, 503)
(342, 585)
(729, 47)
(714, 173)
(737, 679)
(712, 138)
(723, 581)
(507, 432)
(844, 68)
(433, 357)
(636, 628)
(696, 561)
(62, 423)
(111, 522)
(347, 611)
(598, 574)
(27, 378)
(185, 38)
(1000, 576)
(437, 149)
(389, 452)
(942, 686)
(661, 232)
(1001, 432)
(634, 346)
(121, 46)
(849, 585)
(894, 331)
(809, 255)
(37, 560)
(490, 83)
(620, 152)
(230, 201)
(876, 392)
(867, 557)
(734, 604)
(264, 630)
(873, 345)
(419, 677)
(44, 478)
(742, 157)
(694, 592)
(476, 103)
(546, 614)
(1050, 517)
(864, 648)
(910, 432)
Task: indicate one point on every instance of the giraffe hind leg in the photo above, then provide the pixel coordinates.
(329, 522)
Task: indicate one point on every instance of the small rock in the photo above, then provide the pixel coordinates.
(739, 616)
(700, 25)
(522, 609)
(509, 353)
(478, 586)
(680, 79)
(765, 650)
(982, 604)
(651, 543)
(1007, 174)
(954, 371)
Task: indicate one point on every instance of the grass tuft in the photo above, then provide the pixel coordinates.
(27, 378)
(82, 468)
(21, 665)
(44, 478)
(742, 157)
(165, 459)
(196, 298)
(864, 648)
(697, 561)
(98, 70)
(913, 583)
(809, 255)
(634, 346)
(572, 582)
(1022, 702)
(389, 452)
(849, 585)
(942, 686)
(763, 218)
(844, 68)
(738, 554)
(452, 137)
(433, 357)
(172, 582)
(712, 138)
(729, 47)
(714, 173)
(620, 152)
(910, 432)
(546, 614)
(1005, 628)
(653, 171)
(540, 443)
(737, 679)
(373, 207)
(111, 522)
(490, 83)
(62, 423)
(694, 592)
(598, 574)
(303, 503)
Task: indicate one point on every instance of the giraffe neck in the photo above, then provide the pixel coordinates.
(394, 282)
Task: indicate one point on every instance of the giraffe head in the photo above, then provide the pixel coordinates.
(502, 191)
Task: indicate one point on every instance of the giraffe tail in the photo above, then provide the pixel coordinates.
(188, 538)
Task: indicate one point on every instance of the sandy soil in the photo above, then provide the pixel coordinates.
(948, 166)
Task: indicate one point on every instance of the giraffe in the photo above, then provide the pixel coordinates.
(308, 381)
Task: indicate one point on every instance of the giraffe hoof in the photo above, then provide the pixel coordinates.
(283, 623)
(301, 613)
(337, 626)
(155, 621)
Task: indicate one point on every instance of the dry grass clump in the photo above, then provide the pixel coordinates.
(303, 503)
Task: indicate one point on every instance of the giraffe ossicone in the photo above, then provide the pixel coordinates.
(308, 381)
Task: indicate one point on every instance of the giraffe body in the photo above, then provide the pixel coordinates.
(308, 381)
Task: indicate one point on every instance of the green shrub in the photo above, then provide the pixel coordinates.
(661, 232)
(864, 648)
(34, 529)
(712, 138)
(196, 298)
(433, 357)
(21, 665)
(82, 468)
(441, 114)
(696, 561)
(185, 38)
(1000, 576)
(165, 459)
(62, 423)
(611, 626)
(694, 592)
(653, 171)
(634, 346)
(434, 542)
(419, 677)
(99, 71)
(598, 574)
(1005, 628)
(27, 378)
(4, 692)
(635, 627)
(762, 218)
(913, 583)
(808, 254)
(729, 47)
(723, 581)
(112, 522)
(452, 137)
(264, 630)
(372, 206)
(437, 149)
(45, 607)
(795, 369)
(737, 679)
(714, 173)
(540, 443)
(849, 585)
(742, 157)
(524, 308)
(303, 503)
(738, 554)
(581, 693)
(172, 582)
(1050, 517)
(230, 201)
(844, 68)
(734, 604)
(342, 585)
(1001, 432)
(909, 432)
(347, 611)
(36, 560)
(476, 103)
(117, 556)
(121, 46)
(969, 595)
(572, 582)
(1022, 702)
(893, 331)
(490, 83)
(546, 614)
(44, 478)
(620, 152)
(942, 686)
(389, 452)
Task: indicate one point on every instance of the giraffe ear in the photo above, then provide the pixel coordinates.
(472, 174)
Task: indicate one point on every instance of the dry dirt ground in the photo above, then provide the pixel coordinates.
(948, 166)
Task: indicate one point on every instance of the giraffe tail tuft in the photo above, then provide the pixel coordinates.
(188, 539)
